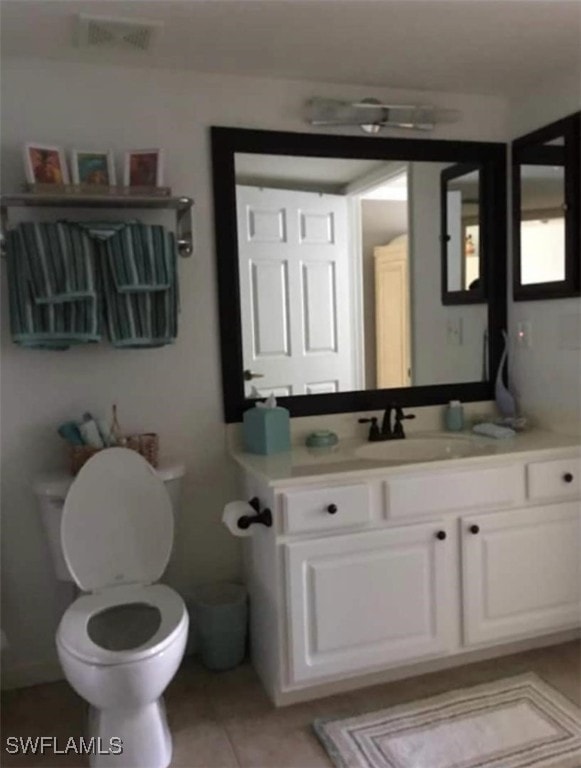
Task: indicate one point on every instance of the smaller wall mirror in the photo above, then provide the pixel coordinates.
(462, 235)
(546, 201)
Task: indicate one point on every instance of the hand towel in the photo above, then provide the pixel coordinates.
(45, 325)
(142, 318)
(58, 259)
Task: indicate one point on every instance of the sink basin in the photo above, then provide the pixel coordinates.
(413, 449)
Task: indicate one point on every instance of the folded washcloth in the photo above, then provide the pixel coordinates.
(58, 259)
(45, 325)
(493, 430)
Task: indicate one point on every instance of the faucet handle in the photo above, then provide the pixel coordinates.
(399, 417)
(373, 429)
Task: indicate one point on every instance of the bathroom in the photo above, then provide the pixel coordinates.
(216, 66)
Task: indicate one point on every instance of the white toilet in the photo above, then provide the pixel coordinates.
(121, 644)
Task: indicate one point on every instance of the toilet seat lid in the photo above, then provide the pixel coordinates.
(117, 523)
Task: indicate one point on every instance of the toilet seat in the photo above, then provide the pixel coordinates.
(73, 633)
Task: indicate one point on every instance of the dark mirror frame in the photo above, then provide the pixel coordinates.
(478, 295)
(532, 149)
(226, 142)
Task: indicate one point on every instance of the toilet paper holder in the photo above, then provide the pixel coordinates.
(264, 517)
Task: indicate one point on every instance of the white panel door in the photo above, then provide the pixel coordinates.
(359, 601)
(521, 572)
(294, 283)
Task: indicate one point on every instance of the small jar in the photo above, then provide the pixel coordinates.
(454, 416)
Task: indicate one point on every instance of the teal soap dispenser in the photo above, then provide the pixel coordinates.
(266, 428)
(454, 416)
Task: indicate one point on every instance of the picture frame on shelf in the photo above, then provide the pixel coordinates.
(93, 167)
(45, 164)
(143, 168)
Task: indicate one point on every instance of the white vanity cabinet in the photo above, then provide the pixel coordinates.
(411, 567)
(520, 572)
(359, 601)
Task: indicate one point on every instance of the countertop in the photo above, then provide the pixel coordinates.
(303, 466)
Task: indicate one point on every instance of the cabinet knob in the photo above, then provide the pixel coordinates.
(568, 477)
(441, 535)
(332, 509)
(474, 529)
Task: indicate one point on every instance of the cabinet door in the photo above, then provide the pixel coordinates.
(521, 572)
(355, 602)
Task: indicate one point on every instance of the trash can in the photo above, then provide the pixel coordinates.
(221, 619)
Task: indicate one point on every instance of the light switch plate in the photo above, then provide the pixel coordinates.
(524, 337)
(454, 331)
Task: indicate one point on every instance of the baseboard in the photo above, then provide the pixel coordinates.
(25, 675)
(320, 690)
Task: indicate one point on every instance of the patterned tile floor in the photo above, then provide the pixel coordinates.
(224, 720)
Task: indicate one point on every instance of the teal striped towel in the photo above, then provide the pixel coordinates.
(139, 255)
(58, 259)
(142, 318)
(45, 325)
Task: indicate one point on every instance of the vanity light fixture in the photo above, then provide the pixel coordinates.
(372, 115)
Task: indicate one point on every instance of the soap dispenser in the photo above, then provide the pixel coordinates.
(454, 416)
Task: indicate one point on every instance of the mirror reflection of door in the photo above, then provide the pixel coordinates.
(542, 228)
(294, 282)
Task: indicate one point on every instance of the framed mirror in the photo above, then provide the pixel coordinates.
(546, 212)
(328, 258)
(463, 207)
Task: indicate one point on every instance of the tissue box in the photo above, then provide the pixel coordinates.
(266, 430)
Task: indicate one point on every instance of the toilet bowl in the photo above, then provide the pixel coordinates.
(121, 644)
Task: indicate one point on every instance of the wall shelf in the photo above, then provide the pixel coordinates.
(181, 205)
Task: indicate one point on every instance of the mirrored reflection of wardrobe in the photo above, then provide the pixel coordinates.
(392, 314)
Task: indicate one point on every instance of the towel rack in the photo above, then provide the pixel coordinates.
(181, 205)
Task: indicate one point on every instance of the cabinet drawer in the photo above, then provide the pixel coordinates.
(326, 508)
(556, 479)
(448, 491)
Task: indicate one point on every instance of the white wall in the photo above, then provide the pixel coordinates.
(174, 390)
(436, 357)
(547, 377)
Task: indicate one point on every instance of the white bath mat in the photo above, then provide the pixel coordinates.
(520, 722)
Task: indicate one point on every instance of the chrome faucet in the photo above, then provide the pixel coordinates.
(387, 432)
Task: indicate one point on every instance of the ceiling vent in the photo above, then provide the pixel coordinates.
(96, 32)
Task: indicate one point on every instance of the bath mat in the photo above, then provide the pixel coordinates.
(519, 722)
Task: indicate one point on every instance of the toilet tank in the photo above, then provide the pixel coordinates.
(51, 490)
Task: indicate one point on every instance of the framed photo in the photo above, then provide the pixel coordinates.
(44, 164)
(143, 168)
(93, 167)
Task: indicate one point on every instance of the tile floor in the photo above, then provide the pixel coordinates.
(223, 720)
